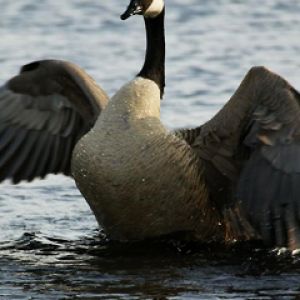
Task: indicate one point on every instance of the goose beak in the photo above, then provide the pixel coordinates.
(134, 8)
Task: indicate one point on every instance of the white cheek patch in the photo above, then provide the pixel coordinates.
(154, 9)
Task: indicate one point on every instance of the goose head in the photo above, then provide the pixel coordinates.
(147, 8)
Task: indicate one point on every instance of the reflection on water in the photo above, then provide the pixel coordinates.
(94, 268)
(50, 247)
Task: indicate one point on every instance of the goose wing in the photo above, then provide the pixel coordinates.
(251, 153)
(44, 110)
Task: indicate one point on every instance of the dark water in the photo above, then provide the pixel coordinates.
(50, 268)
(50, 246)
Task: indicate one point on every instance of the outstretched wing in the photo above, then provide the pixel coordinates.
(43, 112)
(251, 150)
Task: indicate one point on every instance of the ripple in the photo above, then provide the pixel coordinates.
(94, 268)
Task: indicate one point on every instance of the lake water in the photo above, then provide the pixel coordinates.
(50, 244)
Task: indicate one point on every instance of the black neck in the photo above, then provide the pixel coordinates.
(154, 67)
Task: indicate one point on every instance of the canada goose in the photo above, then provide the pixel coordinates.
(142, 180)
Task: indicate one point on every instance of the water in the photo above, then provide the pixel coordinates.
(50, 245)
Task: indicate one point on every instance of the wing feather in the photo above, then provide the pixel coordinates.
(22, 155)
(44, 111)
(36, 160)
(257, 153)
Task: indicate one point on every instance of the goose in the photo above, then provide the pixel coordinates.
(142, 180)
(233, 178)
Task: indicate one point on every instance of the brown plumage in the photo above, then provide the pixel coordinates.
(140, 180)
(251, 152)
(43, 113)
